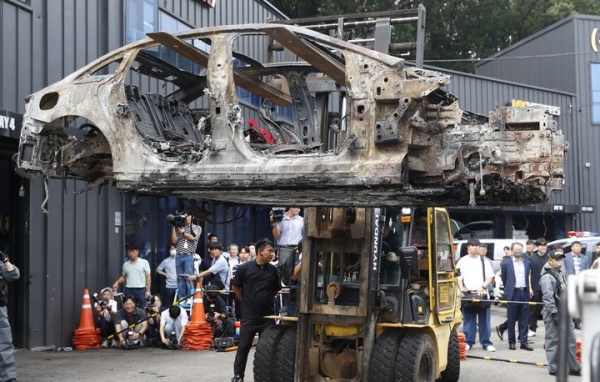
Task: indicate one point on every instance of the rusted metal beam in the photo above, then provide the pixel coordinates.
(241, 78)
(333, 69)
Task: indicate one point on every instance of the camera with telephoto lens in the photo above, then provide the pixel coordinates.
(150, 304)
(101, 302)
(277, 213)
(177, 220)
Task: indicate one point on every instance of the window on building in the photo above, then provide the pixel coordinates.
(138, 23)
(595, 80)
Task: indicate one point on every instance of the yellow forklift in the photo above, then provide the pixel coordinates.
(377, 302)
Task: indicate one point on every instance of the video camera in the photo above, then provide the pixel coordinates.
(277, 213)
(177, 220)
(130, 343)
(173, 343)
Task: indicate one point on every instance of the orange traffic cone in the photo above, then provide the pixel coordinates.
(198, 313)
(198, 333)
(86, 336)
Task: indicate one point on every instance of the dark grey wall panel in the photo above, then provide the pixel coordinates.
(537, 60)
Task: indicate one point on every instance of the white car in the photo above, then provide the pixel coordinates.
(588, 245)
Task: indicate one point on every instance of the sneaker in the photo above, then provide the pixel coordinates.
(237, 378)
(468, 347)
(105, 343)
(531, 333)
(490, 348)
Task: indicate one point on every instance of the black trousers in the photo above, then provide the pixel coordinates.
(518, 313)
(535, 310)
(248, 329)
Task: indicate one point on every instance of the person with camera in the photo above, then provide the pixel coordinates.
(216, 313)
(136, 276)
(8, 272)
(154, 310)
(130, 324)
(168, 269)
(185, 235)
(288, 230)
(106, 309)
(172, 326)
(256, 283)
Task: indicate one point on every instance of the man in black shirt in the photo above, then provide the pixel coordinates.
(216, 313)
(256, 283)
(537, 260)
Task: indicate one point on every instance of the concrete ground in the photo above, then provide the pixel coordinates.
(152, 364)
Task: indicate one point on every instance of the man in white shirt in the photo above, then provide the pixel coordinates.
(471, 280)
(173, 321)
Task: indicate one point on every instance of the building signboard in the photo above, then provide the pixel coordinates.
(10, 124)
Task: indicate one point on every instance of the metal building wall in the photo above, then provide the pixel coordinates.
(78, 243)
(544, 59)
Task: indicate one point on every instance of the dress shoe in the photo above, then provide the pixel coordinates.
(512, 346)
(575, 373)
(526, 347)
(500, 333)
(552, 372)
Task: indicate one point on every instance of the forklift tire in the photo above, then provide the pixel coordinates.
(266, 349)
(415, 360)
(452, 372)
(383, 358)
(285, 356)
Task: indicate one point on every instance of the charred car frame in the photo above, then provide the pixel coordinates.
(139, 121)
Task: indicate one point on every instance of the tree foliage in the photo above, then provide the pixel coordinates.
(458, 32)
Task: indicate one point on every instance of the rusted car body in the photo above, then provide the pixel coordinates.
(398, 137)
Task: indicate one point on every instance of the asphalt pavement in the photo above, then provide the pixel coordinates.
(152, 364)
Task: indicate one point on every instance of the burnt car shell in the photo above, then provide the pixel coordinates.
(399, 137)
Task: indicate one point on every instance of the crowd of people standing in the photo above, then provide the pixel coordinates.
(533, 280)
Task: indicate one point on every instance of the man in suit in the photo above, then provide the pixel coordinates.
(575, 262)
(516, 275)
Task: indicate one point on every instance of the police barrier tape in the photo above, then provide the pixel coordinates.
(504, 302)
(539, 364)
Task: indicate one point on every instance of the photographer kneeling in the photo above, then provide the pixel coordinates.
(216, 313)
(154, 310)
(106, 309)
(173, 322)
(130, 317)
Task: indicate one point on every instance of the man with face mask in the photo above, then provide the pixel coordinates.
(168, 269)
(553, 282)
(516, 276)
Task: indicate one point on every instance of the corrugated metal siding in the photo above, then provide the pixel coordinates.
(586, 142)
(523, 64)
